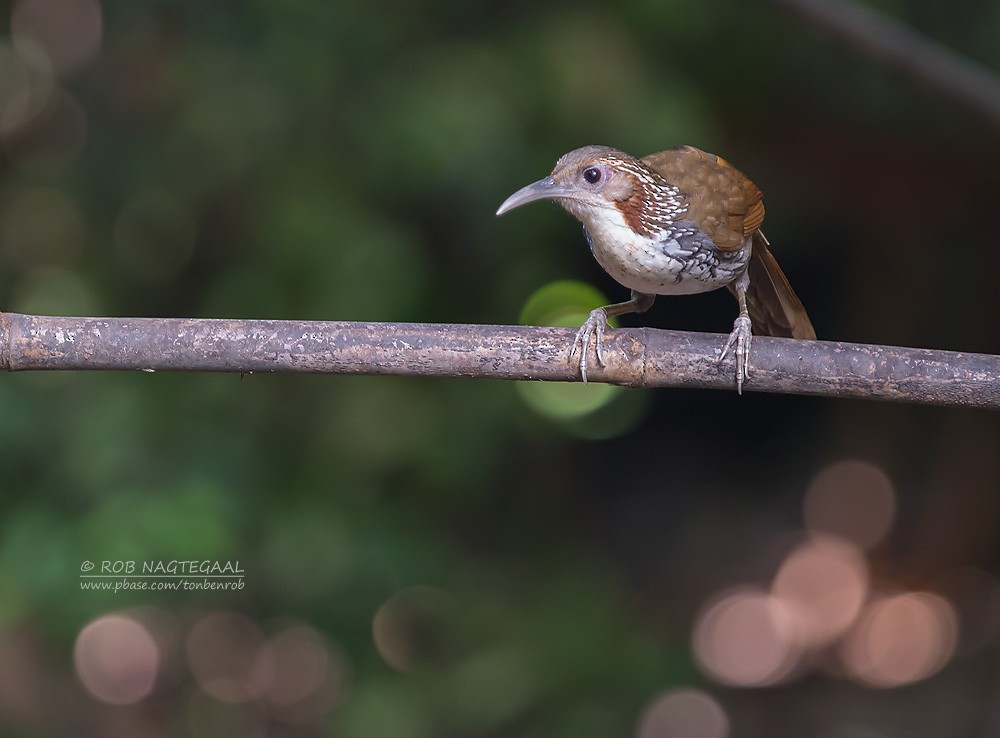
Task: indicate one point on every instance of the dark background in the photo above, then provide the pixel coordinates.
(476, 558)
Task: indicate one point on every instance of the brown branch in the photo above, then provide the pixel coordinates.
(891, 42)
(643, 357)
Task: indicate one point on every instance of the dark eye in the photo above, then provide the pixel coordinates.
(592, 175)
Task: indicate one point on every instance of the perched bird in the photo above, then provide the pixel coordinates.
(674, 223)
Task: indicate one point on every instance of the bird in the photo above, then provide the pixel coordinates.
(678, 222)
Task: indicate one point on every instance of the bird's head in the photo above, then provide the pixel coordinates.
(598, 183)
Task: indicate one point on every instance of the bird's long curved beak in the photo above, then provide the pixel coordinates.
(543, 189)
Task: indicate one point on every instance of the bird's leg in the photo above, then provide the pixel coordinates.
(598, 322)
(741, 335)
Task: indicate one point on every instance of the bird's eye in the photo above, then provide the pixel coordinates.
(593, 175)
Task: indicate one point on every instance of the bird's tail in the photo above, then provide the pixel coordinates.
(774, 308)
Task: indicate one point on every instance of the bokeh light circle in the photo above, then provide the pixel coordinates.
(746, 638)
(563, 303)
(823, 584)
(116, 659)
(301, 664)
(852, 499)
(901, 639)
(684, 713)
(415, 626)
(226, 655)
(70, 31)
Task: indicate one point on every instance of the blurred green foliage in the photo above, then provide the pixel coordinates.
(343, 160)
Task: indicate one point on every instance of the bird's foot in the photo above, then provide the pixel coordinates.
(595, 326)
(740, 338)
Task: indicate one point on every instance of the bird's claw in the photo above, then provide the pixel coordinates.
(595, 326)
(740, 338)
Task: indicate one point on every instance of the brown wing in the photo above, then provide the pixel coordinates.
(730, 208)
(774, 308)
(726, 204)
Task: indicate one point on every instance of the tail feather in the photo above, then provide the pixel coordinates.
(774, 308)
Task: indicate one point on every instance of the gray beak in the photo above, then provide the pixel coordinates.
(543, 189)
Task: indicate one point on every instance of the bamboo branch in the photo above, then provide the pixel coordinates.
(639, 357)
(891, 42)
